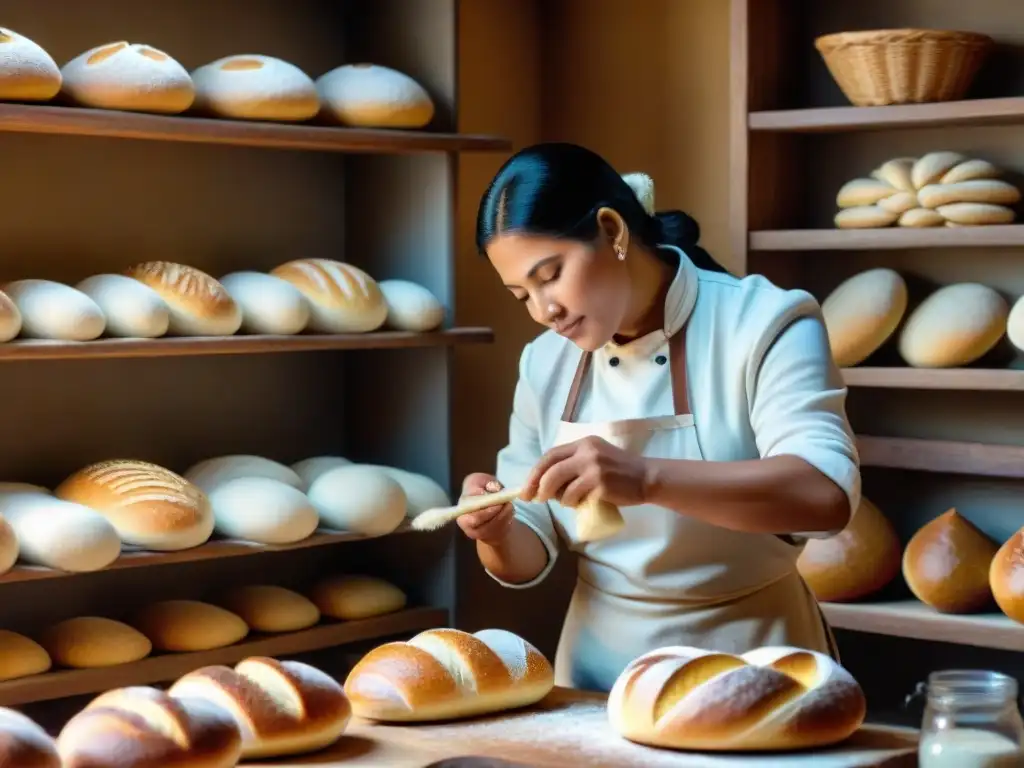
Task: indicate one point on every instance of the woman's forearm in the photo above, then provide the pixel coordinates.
(516, 559)
(780, 495)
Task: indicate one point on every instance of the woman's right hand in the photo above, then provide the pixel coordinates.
(490, 525)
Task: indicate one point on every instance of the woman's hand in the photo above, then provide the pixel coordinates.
(490, 525)
(570, 473)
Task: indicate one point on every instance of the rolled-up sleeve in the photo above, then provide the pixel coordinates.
(799, 408)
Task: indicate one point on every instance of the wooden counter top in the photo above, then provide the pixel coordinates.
(569, 729)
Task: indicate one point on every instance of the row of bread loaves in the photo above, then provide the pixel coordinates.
(140, 78)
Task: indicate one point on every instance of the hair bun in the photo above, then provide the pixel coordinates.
(643, 187)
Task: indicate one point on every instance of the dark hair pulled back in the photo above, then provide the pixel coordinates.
(556, 189)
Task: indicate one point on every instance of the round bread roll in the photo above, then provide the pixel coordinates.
(411, 307)
(198, 304)
(189, 625)
(862, 313)
(21, 656)
(132, 310)
(254, 87)
(56, 311)
(310, 469)
(268, 608)
(262, 510)
(358, 499)
(349, 598)
(1015, 324)
(24, 744)
(27, 72)
(1006, 577)
(269, 304)
(60, 534)
(128, 76)
(93, 641)
(342, 298)
(373, 96)
(10, 318)
(421, 492)
(865, 217)
(8, 546)
(954, 326)
(151, 507)
(946, 564)
(856, 562)
(210, 473)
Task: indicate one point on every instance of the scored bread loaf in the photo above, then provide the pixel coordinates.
(771, 698)
(27, 71)
(198, 304)
(373, 96)
(342, 298)
(446, 674)
(21, 656)
(142, 727)
(281, 707)
(254, 87)
(269, 608)
(189, 625)
(94, 641)
(128, 76)
(24, 744)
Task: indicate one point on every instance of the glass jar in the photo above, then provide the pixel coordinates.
(971, 720)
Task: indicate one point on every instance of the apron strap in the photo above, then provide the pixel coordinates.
(572, 402)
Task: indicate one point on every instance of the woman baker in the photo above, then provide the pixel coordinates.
(706, 407)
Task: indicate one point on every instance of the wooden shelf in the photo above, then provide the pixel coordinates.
(910, 618)
(974, 379)
(168, 667)
(888, 238)
(72, 121)
(844, 119)
(942, 456)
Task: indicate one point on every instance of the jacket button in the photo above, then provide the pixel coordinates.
(613, 362)
(661, 359)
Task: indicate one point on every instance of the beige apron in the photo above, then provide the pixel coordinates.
(607, 627)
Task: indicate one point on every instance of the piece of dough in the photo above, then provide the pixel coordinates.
(189, 625)
(921, 217)
(930, 168)
(350, 598)
(342, 298)
(51, 310)
(896, 173)
(421, 492)
(128, 76)
(858, 193)
(1015, 324)
(359, 499)
(310, 469)
(269, 304)
(8, 546)
(954, 326)
(21, 656)
(10, 318)
(60, 534)
(210, 473)
(132, 309)
(198, 304)
(992, 191)
(86, 642)
(970, 170)
(411, 307)
(976, 214)
(865, 217)
(27, 71)
(269, 608)
(899, 202)
(862, 313)
(374, 96)
(255, 87)
(262, 510)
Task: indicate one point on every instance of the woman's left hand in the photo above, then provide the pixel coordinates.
(570, 473)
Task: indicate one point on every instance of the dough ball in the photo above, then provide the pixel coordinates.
(862, 313)
(954, 326)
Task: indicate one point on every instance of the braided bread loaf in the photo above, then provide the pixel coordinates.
(772, 698)
(445, 674)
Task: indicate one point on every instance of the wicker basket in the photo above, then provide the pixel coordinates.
(903, 66)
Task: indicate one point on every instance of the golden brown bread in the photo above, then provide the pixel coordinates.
(350, 598)
(23, 744)
(862, 313)
(1006, 577)
(94, 641)
(954, 326)
(342, 297)
(199, 304)
(189, 625)
(772, 698)
(21, 656)
(269, 608)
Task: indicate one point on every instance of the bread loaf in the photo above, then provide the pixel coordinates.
(446, 674)
(21, 656)
(865, 217)
(151, 507)
(210, 473)
(310, 469)
(23, 743)
(772, 698)
(359, 499)
(268, 608)
(281, 707)
(269, 304)
(189, 625)
(1006, 577)
(373, 96)
(132, 309)
(342, 298)
(128, 76)
(976, 214)
(421, 492)
(350, 598)
(142, 727)
(954, 326)
(27, 72)
(1015, 324)
(10, 318)
(198, 304)
(60, 534)
(862, 313)
(254, 87)
(8, 546)
(262, 510)
(55, 311)
(991, 191)
(94, 641)
(411, 307)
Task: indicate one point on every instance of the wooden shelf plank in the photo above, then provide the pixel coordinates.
(195, 346)
(845, 119)
(974, 379)
(912, 619)
(942, 456)
(887, 238)
(170, 666)
(73, 121)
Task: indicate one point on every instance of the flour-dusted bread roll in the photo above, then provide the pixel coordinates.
(10, 318)
(946, 564)
(310, 469)
(411, 307)
(771, 698)
(1006, 577)
(210, 473)
(359, 499)
(142, 727)
(262, 510)
(349, 598)
(281, 707)
(128, 76)
(862, 313)
(27, 72)
(373, 96)
(150, 506)
(269, 304)
(21, 656)
(447, 674)
(856, 562)
(199, 305)
(60, 534)
(342, 298)
(8, 546)
(269, 608)
(1015, 324)
(954, 326)
(255, 87)
(24, 744)
(421, 492)
(189, 625)
(132, 309)
(55, 311)
(94, 641)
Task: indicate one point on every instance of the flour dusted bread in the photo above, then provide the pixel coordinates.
(350, 598)
(255, 87)
(189, 625)
(310, 469)
(10, 318)
(342, 298)
(771, 698)
(59, 534)
(411, 307)
(198, 304)
(210, 473)
(862, 313)
(1006, 577)
(954, 326)
(8, 546)
(27, 71)
(21, 656)
(24, 744)
(262, 510)
(359, 499)
(150, 506)
(374, 96)
(94, 641)
(421, 492)
(946, 564)
(128, 76)
(56, 311)
(281, 707)
(269, 304)
(269, 608)
(132, 309)
(1015, 324)
(447, 674)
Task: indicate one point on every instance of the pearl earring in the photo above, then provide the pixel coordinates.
(620, 252)
(552, 309)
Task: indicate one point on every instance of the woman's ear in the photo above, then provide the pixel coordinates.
(613, 229)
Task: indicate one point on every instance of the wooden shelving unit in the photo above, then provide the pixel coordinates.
(968, 379)
(1008, 236)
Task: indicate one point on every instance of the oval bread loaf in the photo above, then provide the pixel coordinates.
(55, 311)
(921, 217)
(930, 168)
(896, 173)
(21, 656)
(310, 469)
(210, 473)
(60, 534)
(350, 598)
(94, 641)
(262, 510)
(865, 217)
(27, 71)
(421, 492)
(411, 307)
(862, 313)
(1015, 324)
(772, 698)
(973, 191)
(269, 304)
(132, 309)
(976, 214)
(1006, 577)
(189, 625)
(359, 499)
(198, 304)
(269, 608)
(342, 298)
(447, 674)
(954, 326)
(8, 546)
(24, 744)
(10, 318)
(128, 76)
(255, 87)
(373, 96)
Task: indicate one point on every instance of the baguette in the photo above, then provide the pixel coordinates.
(772, 698)
(23, 744)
